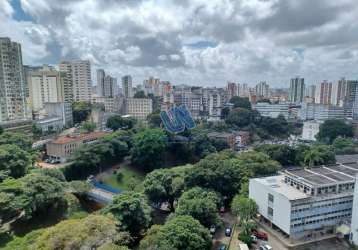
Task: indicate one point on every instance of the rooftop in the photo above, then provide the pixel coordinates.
(346, 158)
(82, 137)
(277, 184)
(325, 175)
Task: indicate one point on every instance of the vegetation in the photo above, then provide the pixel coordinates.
(331, 129)
(240, 102)
(21, 140)
(319, 155)
(140, 94)
(91, 232)
(344, 146)
(154, 120)
(116, 122)
(201, 204)
(148, 149)
(81, 111)
(165, 185)
(131, 211)
(181, 233)
(88, 126)
(14, 162)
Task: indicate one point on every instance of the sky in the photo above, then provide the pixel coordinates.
(196, 42)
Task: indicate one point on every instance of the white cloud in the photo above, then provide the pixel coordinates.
(254, 39)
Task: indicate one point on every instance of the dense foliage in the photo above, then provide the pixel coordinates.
(81, 110)
(148, 149)
(240, 102)
(116, 122)
(331, 129)
(131, 212)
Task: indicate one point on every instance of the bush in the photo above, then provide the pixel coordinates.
(245, 238)
(119, 176)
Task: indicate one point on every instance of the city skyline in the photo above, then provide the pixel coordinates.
(191, 42)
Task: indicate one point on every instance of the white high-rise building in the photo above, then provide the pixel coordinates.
(339, 92)
(45, 85)
(12, 89)
(100, 82)
(354, 226)
(127, 86)
(138, 108)
(324, 93)
(79, 74)
(262, 90)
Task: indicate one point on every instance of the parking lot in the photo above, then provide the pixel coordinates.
(219, 237)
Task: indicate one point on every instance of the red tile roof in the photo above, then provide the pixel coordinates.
(81, 137)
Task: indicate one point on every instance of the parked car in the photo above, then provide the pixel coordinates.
(253, 238)
(260, 235)
(228, 231)
(266, 247)
(212, 229)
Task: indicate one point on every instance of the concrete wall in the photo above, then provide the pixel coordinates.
(354, 227)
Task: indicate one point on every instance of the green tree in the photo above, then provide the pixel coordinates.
(241, 102)
(21, 140)
(183, 233)
(132, 212)
(239, 117)
(258, 164)
(36, 130)
(243, 207)
(139, 94)
(92, 232)
(150, 241)
(81, 110)
(284, 154)
(165, 185)
(219, 171)
(116, 122)
(201, 204)
(149, 147)
(154, 120)
(331, 129)
(28, 195)
(319, 155)
(14, 162)
(1, 130)
(344, 146)
(88, 126)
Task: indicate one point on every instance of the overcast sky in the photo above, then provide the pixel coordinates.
(198, 42)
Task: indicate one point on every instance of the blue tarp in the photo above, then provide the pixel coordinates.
(106, 187)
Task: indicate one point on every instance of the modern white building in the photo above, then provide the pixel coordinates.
(79, 76)
(12, 81)
(354, 226)
(60, 109)
(272, 110)
(297, 90)
(306, 203)
(138, 108)
(310, 130)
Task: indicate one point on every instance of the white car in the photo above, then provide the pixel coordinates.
(266, 247)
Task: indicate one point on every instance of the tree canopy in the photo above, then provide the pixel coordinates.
(180, 233)
(116, 122)
(21, 140)
(140, 94)
(200, 204)
(331, 129)
(14, 162)
(258, 164)
(148, 149)
(92, 232)
(165, 185)
(284, 154)
(319, 155)
(131, 211)
(81, 110)
(240, 102)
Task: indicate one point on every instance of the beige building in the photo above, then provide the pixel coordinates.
(45, 85)
(139, 108)
(63, 147)
(78, 76)
(12, 82)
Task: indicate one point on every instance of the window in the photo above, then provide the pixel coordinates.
(270, 197)
(270, 211)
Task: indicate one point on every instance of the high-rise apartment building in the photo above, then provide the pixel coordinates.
(311, 91)
(78, 74)
(339, 92)
(45, 85)
(127, 88)
(262, 90)
(324, 93)
(138, 108)
(12, 89)
(297, 90)
(232, 89)
(106, 85)
(100, 82)
(351, 100)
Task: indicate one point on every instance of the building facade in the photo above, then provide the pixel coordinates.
(324, 93)
(138, 108)
(12, 81)
(297, 90)
(272, 110)
(78, 79)
(307, 203)
(354, 226)
(127, 87)
(310, 130)
(321, 112)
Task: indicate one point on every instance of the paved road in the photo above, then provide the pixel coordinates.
(219, 237)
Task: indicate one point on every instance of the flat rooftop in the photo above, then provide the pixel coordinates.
(326, 175)
(347, 158)
(277, 183)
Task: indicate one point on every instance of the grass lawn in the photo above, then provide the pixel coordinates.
(131, 179)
